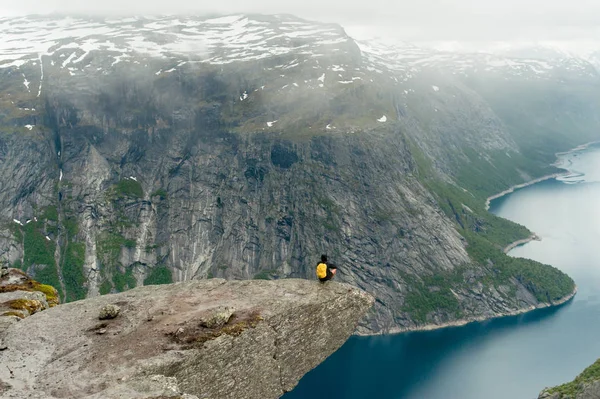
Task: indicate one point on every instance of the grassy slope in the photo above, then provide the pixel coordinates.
(575, 387)
(486, 235)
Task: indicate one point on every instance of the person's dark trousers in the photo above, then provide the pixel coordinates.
(328, 277)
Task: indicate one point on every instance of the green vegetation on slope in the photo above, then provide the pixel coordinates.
(265, 275)
(159, 275)
(123, 281)
(109, 246)
(50, 213)
(105, 287)
(547, 283)
(72, 270)
(38, 253)
(432, 293)
(37, 249)
(498, 170)
(571, 389)
(543, 117)
(487, 235)
(129, 188)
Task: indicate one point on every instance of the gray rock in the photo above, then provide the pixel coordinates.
(217, 318)
(281, 330)
(547, 395)
(590, 391)
(108, 312)
(585, 386)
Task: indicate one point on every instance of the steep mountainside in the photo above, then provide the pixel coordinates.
(585, 386)
(146, 150)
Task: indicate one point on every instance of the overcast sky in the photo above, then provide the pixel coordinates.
(410, 19)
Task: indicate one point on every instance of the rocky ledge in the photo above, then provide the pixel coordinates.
(198, 339)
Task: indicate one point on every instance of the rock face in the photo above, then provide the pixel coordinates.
(136, 164)
(3, 270)
(157, 346)
(585, 386)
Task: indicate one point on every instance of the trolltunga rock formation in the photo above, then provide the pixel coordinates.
(160, 345)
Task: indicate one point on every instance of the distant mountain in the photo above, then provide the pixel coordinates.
(146, 150)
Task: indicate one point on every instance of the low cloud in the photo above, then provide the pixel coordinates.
(407, 19)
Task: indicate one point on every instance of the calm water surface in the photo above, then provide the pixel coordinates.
(506, 358)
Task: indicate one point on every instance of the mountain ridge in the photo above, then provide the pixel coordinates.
(251, 169)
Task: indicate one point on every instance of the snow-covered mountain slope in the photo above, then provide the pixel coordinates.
(216, 40)
(75, 45)
(279, 46)
(282, 72)
(530, 62)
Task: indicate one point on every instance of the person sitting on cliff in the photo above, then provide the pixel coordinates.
(325, 270)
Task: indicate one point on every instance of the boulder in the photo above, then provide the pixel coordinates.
(108, 312)
(217, 318)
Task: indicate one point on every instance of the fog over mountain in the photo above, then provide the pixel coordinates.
(464, 20)
(145, 143)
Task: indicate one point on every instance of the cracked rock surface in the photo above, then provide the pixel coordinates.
(158, 346)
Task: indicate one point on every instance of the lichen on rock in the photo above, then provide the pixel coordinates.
(217, 318)
(17, 300)
(16, 280)
(108, 312)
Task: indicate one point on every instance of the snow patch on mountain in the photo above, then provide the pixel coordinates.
(223, 40)
(169, 42)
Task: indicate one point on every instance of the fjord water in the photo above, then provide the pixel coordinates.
(513, 357)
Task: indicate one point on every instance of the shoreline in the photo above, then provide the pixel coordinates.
(518, 243)
(512, 189)
(508, 248)
(542, 178)
(479, 319)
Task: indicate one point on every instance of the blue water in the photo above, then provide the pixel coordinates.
(514, 357)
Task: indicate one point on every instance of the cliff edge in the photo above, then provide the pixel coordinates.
(198, 339)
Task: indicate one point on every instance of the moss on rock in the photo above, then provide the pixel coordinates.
(22, 282)
(29, 305)
(12, 313)
(195, 336)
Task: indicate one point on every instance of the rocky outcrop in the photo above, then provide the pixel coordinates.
(21, 296)
(158, 347)
(585, 386)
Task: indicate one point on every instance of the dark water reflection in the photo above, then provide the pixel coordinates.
(512, 357)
